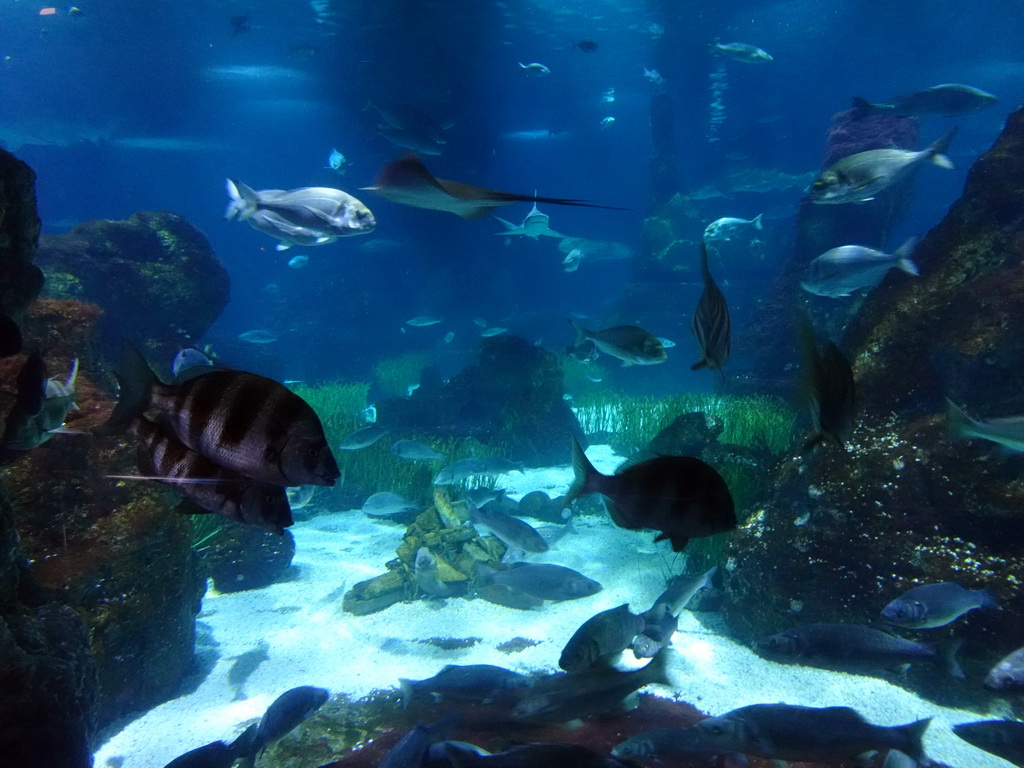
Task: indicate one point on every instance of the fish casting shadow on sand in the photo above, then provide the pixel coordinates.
(408, 181)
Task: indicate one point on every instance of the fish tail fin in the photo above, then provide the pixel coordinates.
(698, 365)
(407, 691)
(988, 597)
(136, 379)
(947, 653)
(862, 108)
(244, 200)
(938, 150)
(903, 260)
(958, 424)
(657, 670)
(583, 473)
(913, 734)
(581, 333)
(757, 223)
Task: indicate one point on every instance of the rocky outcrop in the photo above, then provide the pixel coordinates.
(846, 531)
(154, 274)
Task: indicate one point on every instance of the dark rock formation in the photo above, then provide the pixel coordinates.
(511, 400)
(243, 557)
(20, 279)
(154, 274)
(847, 531)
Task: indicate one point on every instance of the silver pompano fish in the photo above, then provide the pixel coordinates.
(808, 734)
(243, 422)
(711, 325)
(841, 271)
(630, 344)
(859, 177)
(1007, 432)
(306, 216)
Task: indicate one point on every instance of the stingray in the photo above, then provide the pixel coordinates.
(408, 181)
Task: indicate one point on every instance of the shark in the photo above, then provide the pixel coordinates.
(534, 225)
(407, 181)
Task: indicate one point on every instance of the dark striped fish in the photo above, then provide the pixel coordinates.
(711, 326)
(829, 387)
(240, 421)
(209, 486)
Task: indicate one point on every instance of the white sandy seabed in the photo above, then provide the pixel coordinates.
(313, 642)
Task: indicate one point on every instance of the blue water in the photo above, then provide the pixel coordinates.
(150, 106)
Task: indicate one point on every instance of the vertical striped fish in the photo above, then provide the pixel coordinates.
(711, 326)
(201, 481)
(243, 422)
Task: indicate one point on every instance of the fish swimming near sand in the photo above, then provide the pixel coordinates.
(285, 714)
(470, 682)
(681, 497)
(602, 636)
(386, 504)
(425, 574)
(407, 181)
(246, 423)
(1004, 738)
(514, 532)
(542, 581)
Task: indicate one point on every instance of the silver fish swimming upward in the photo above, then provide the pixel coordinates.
(1007, 431)
(711, 325)
(407, 181)
(859, 177)
(307, 216)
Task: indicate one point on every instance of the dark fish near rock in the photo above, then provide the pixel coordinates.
(808, 734)
(859, 177)
(666, 745)
(601, 636)
(948, 99)
(411, 749)
(1008, 673)
(362, 438)
(629, 343)
(848, 648)
(936, 605)
(1003, 738)
(827, 383)
(242, 422)
(516, 533)
(285, 713)
(11, 340)
(543, 581)
(39, 409)
(216, 754)
(567, 696)
(471, 682)
(711, 326)
(206, 484)
(407, 181)
(680, 496)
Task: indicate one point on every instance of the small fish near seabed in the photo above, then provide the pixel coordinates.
(667, 745)
(841, 271)
(241, 421)
(601, 637)
(542, 581)
(534, 225)
(711, 325)
(748, 54)
(286, 713)
(936, 605)
(535, 69)
(470, 682)
(859, 177)
(629, 343)
(425, 574)
(828, 386)
(808, 734)
(515, 533)
(1007, 431)
(387, 504)
(729, 229)
(408, 182)
(1003, 738)
(947, 99)
(662, 619)
(307, 216)
(681, 497)
(40, 409)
